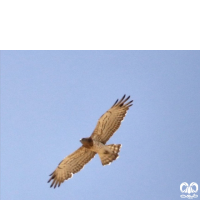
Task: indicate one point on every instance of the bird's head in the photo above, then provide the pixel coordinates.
(86, 141)
(82, 140)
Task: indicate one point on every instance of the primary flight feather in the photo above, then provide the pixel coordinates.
(106, 126)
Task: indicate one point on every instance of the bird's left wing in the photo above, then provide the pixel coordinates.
(111, 120)
(71, 165)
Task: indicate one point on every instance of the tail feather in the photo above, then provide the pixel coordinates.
(109, 156)
(115, 148)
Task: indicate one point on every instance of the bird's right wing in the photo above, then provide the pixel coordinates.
(71, 165)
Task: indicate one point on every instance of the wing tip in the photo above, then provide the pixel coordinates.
(122, 101)
(115, 103)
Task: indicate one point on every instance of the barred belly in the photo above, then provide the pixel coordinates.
(98, 147)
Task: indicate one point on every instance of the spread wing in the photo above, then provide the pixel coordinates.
(111, 120)
(71, 165)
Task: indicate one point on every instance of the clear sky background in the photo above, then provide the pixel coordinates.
(51, 99)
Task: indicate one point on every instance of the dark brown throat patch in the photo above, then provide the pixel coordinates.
(87, 142)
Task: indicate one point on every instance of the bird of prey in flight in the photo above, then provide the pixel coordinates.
(106, 126)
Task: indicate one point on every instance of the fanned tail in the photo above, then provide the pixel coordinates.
(109, 156)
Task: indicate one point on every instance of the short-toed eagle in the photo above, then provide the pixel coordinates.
(96, 143)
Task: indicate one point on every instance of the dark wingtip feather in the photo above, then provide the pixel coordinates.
(127, 104)
(115, 102)
(50, 179)
(127, 98)
(130, 102)
(123, 98)
(122, 101)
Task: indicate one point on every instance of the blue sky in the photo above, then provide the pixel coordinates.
(51, 99)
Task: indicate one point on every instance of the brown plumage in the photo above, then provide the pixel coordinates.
(111, 120)
(105, 128)
(107, 157)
